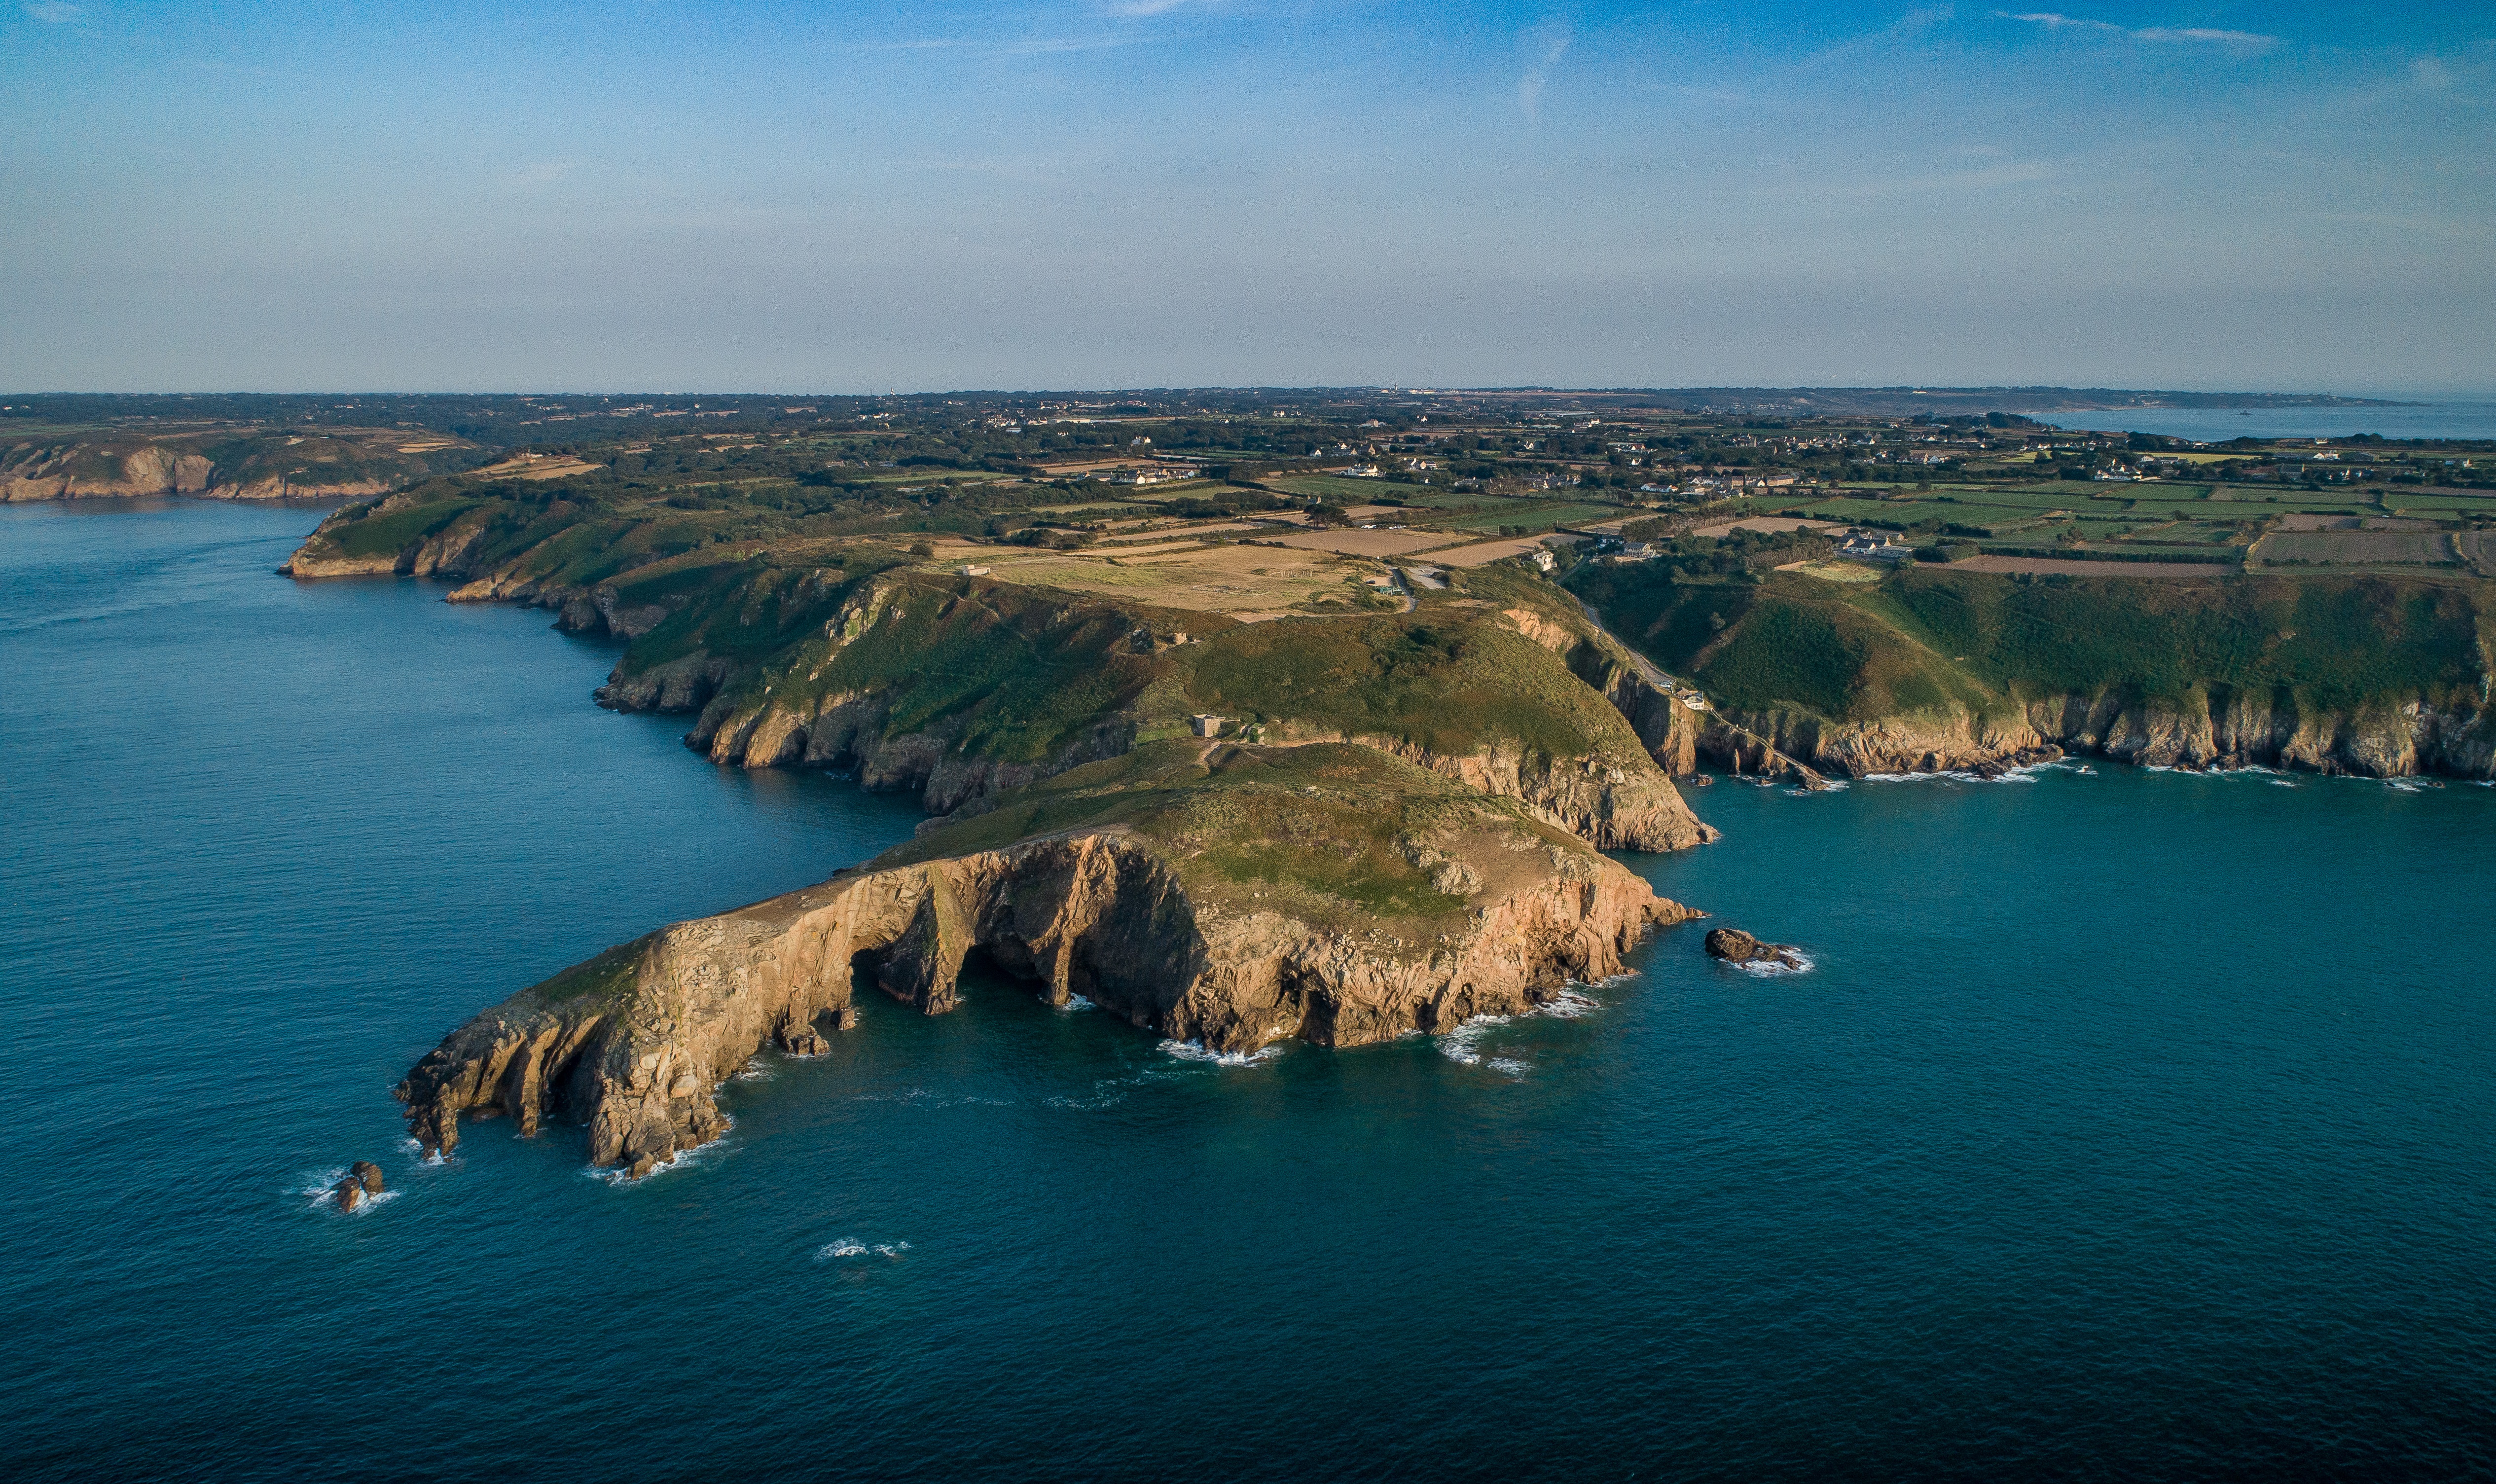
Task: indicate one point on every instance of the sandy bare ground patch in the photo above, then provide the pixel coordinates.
(2092, 569)
(528, 467)
(1238, 580)
(1481, 553)
(1834, 572)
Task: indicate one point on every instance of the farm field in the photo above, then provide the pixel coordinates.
(1484, 553)
(2356, 548)
(1542, 515)
(1327, 486)
(1243, 582)
(1380, 542)
(1991, 562)
(1855, 573)
(1724, 528)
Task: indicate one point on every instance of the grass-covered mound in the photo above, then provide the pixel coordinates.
(1335, 835)
(1452, 682)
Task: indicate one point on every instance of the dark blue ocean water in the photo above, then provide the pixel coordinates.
(2131, 1126)
(2441, 416)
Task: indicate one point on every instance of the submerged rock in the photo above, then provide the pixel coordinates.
(1736, 947)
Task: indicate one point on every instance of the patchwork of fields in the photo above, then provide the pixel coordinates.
(2168, 521)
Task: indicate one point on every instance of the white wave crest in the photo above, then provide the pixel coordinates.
(1460, 1044)
(852, 1246)
(1769, 969)
(1464, 1042)
(1197, 1051)
(322, 1190)
(682, 1160)
(2025, 774)
(1076, 1003)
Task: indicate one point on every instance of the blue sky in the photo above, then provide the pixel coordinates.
(1096, 193)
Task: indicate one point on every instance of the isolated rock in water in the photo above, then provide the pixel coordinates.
(1736, 947)
(349, 1192)
(365, 1173)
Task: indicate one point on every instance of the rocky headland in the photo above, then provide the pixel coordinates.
(1233, 896)
(227, 463)
(1332, 828)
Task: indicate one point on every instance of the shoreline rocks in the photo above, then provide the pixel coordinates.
(1736, 947)
(364, 1178)
(636, 1042)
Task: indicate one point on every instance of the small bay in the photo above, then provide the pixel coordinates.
(2128, 1124)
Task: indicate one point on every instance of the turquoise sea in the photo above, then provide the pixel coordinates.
(2129, 1125)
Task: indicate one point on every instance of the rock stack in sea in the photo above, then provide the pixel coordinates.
(1736, 947)
(364, 1178)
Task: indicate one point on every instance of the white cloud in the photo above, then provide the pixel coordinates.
(2242, 43)
(2054, 22)
(2234, 41)
(50, 11)
(1529, 87)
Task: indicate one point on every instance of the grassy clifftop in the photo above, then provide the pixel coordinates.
(1930, 640)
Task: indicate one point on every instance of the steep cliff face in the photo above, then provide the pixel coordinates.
(1154, 923)
(1614, 803)
(122, 468)
(228, 464)
(2209, 729)
(2347, 672)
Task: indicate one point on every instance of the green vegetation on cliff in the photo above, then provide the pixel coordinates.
(1333, 833)
(1924, 640)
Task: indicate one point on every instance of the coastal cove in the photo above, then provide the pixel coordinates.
(2142, 1117)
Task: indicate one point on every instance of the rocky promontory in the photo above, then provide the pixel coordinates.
(1229, 896)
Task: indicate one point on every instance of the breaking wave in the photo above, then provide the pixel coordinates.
(1197, 1051)
(320, 1190)
(2027, 773)
(682, 1160)
(1769, 969)
(1464, 1042)
(852, 1246)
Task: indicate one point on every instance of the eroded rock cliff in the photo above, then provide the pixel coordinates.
(1241, 896)
(2214, 727)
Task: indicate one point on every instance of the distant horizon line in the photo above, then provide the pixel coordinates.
(2379, 394)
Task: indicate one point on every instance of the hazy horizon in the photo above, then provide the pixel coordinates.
(1120, 193)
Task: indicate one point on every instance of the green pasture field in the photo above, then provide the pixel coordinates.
(1327, 486)
(2358, 548)
(1536, 513)
(2442, 506)
(1849, 509)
